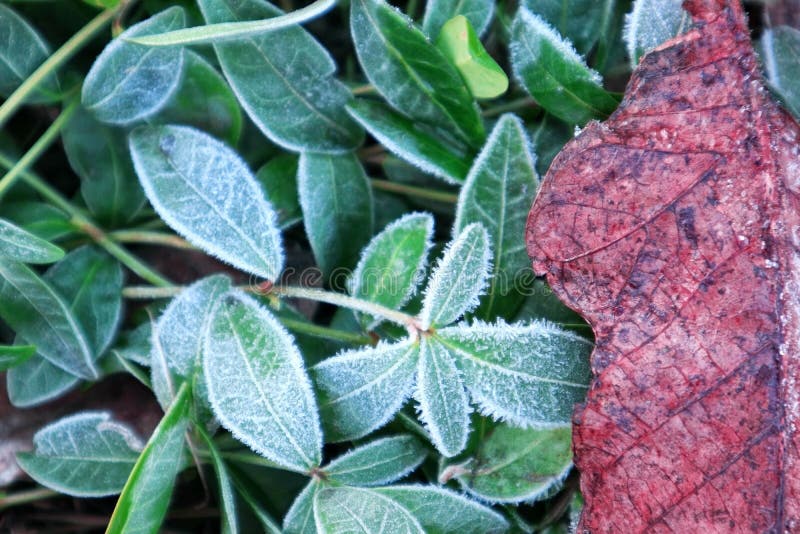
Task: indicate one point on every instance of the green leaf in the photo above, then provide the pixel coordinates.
(20, 245)
(343, 510)
(36, 381)
(499, 189)
(135, 345)
(579, 21)
(13, 355)
(284, 81)
(443, 403)
(203, 190)
(529, 375)
(392, 265)
(458, 279)
(549, 135)
(204, 101)
(413, 76)
(144, 500)
(554, 74)
(515, 465)
(780, 50)
(378, 462)
(404, 137)
(130, 82)
(650, 23)
(99, 156)
(460, 44)
(22, 50)
(300, 517)
(230, 31)
(244, 489)
(336, 198)
(42, 220)
(227, 498)
(437, 12)
(360, 390)
(278, 178)
(442, 511)
(36, 312)
(258, 387)
(83, 455)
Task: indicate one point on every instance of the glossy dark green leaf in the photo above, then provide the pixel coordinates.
(278, 177)
(284, 81)
(22, 50)
(437, 12)
(413, 76)
(336, 199)
(554, 74)
(22, 246)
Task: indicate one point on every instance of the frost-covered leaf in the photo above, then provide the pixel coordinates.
(554, 74)
(443, 402)
(336, 199)
(144, 500)
(442, 511)
(650, 23)
(99, 155)
(413, 76)
(345, 510)
(37, 313)
(227, 497)
(278, 178)
(20, 245)
(459, 278)
(530, 374)
(22, 50)
(135, 345)
(437, 12)
(582, 22)
(378, 462)
(45, 221)
(129, 82)
(203, 190)
(84, 455)
(360, 390)
(499, 187)
(205, 101)
(284, 81)
(36, 381)
(300, 517)
(392, 265)
(257, 385)
(408, 141)
(13, 355)
(460, 44)
(515, 464)
(780, 53)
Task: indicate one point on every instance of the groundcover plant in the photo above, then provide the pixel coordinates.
(263, 267)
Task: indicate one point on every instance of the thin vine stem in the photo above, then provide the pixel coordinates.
(52, 63)
(414, 191)
(26, 497)
(145, 237)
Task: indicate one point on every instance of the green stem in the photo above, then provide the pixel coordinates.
(38, 148)
(26, 497)
(514, 105)
(51, 64)
(302, 327)
(149, 238)
(414, 191)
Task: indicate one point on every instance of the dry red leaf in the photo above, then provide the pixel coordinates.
(674, 228)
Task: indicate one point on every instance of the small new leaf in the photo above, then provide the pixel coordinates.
(84, 455)
(203, 190)
(438, 12)
(378, 462)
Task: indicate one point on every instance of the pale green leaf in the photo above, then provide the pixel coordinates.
(459, 278)
(284, 81)
(203, 190)
(780, 53)
(498, 193)
(130, 82)
(528, 374)
(258, 387)
(300, 517)
(336, 199)
(145, 498)
(22, 50)
(392, 265)
(514, 465)
(378, 462)
(345, 510)
(441, 511)
(443, 403)
(408, 141)
(437, 12)
(554, 74)
(413, 76)
(84, 455)
(20, 245)
(360, 390)
(650, 23)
